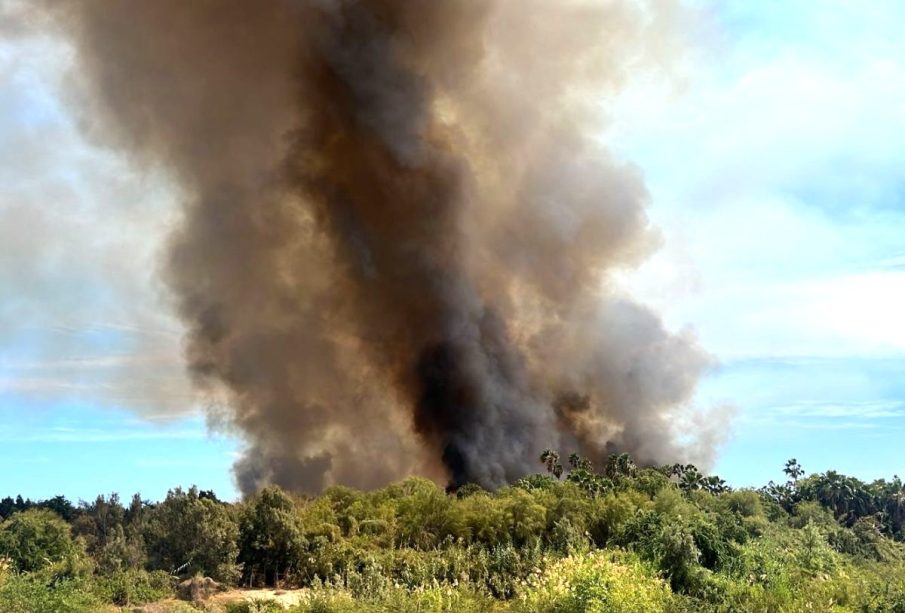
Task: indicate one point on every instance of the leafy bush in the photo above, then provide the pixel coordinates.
(427, 599)
(36, 538)
(257, 605)
(666, 542)
(423, 517)
(62, 586)
(30, 593)
(603, 581)
(128, 587)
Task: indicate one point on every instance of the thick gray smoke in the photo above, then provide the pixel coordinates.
(399, 227)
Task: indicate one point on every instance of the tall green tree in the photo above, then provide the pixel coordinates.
(187, 534)
(99, 521)
(271, 541)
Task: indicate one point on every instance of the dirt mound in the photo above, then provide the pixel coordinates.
(198, 589)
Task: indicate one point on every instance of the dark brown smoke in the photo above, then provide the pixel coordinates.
(399, 227)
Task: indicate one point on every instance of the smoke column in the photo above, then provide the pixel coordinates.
(399, 228)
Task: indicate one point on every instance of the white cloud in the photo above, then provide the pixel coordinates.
(775, 176)
(83, 313)
(101, 435)
(861, 410)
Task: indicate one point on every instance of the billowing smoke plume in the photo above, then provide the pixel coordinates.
(398, 229)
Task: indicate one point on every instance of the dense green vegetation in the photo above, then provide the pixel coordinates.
(620, 538)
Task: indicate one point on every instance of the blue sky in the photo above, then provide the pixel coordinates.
(773, 155)
(775, 165)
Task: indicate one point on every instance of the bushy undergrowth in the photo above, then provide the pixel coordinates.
(625, 539)
(597, 582)
(71, 585)
(28, 594)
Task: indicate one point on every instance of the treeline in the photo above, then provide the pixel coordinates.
(880, 502)
(662, 538)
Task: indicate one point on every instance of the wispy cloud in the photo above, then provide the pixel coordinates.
(860, 410)
(83, 313)
(91, 362)
(100, 435)
(896, 262)
(34, 460)
(822, 425)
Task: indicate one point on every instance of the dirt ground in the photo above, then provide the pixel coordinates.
(287, 598)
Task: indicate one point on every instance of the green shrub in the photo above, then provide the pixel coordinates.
(611, 581)
(30, 593)
(666, 542)
(609, 515)
(812, 552)
(61, 587)
(424, 516)
(810, 512)
(651, 481)
(428, 599)
(36, 538)
(132, 586)
(746, 503)
(257, 605)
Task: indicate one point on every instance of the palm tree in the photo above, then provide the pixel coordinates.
(831, 492)
(691, 478)
(626, 465)
(794, 470)
(619, 466)
(714, 484)
(578, 462)
(891, 499)
(550, 458)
